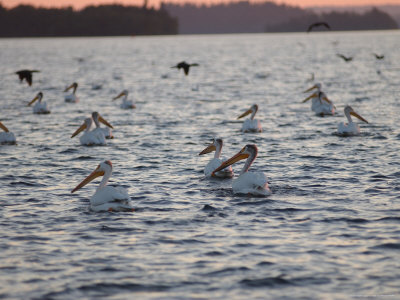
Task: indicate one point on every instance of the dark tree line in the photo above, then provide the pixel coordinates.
(104, 20)
(233, 17)
(245, 16)
(371, 20)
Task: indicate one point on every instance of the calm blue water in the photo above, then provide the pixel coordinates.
(330, 230)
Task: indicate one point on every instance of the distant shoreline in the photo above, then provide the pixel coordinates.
(203, 34)
(105, 20)
(171, 19)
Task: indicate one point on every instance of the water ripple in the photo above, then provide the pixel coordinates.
(329, 229)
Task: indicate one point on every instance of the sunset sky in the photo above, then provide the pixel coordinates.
(81, 3)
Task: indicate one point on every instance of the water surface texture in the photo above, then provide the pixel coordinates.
(330, 230)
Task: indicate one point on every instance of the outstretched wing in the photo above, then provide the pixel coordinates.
(186, 69)
(28, 78)
(318, 24)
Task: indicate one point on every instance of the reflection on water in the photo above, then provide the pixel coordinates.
(330, 228)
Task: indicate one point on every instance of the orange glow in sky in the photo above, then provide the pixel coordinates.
(82, 3)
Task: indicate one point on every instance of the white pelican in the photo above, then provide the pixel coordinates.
(254, 183)
(251, 125)
(126, 104)
(6, 137)
(350, 128)
(216, 146)
(72, 98)
(321, 105)
(106, 131)
(40, 107)
(90, 138)
(106, 198)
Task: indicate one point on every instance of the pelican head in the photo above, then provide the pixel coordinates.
(315, 86)
(320, 95)
(123, 93)
(253, 110)
(248, 151)
(348, 110)
(102, 168)
(216, 143)
(96, 118)
(72, 86)
(39, 97)
(86, 125)
(2, 126)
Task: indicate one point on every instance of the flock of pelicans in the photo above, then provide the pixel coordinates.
(108, 198)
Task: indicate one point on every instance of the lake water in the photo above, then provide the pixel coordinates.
(330, 229)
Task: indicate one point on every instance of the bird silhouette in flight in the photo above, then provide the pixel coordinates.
(377, 56)
(318, 24)
(26, 74)
(345, 58)
(185, 66)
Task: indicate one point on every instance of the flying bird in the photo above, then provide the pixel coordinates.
(345, 58)
(185, 66)
(27, 75)
(377, 56)
(318, 24)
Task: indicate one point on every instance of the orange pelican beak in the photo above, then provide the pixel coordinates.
(70, 87)
(310, 89)
(33, 100)
(105, 122)
(353, 113)
(96, 173)
(247, 112)
(310, 97)
(210, 148)
(66, 90)
(327, 100)
(119, 96)
(231, 161)
(80, 129)
(3, 127)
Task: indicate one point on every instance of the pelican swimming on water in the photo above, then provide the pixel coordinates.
(40, 107)
(321, 105)
(216, 146)
(106, 131)
(90, 138)
(106, 198)
(350, 128)
(251, 124)
(71, 98)
(253, 183)
(6, 137)
(126, 104)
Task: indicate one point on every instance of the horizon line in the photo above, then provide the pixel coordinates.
(194, 2)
